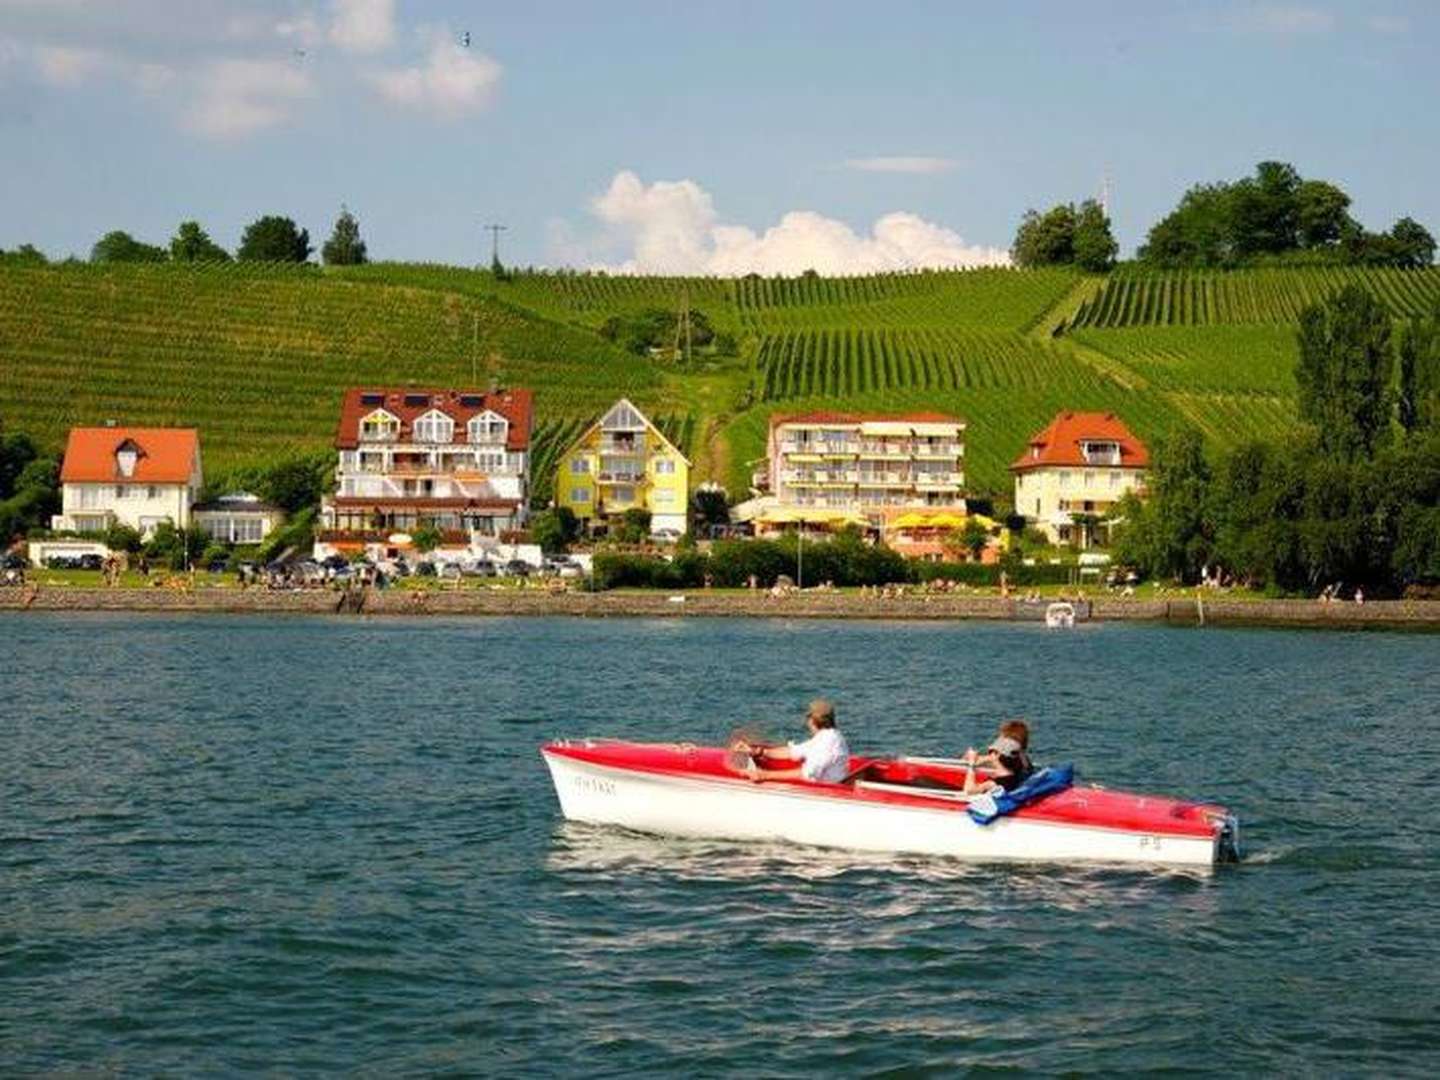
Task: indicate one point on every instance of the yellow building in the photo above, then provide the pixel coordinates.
(1080, 464)
(623, 462)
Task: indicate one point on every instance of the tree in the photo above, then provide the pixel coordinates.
(1169, 533)
(555, 530)
(16, 452)
(1321, 214)
(973, 538)
(1344, 372)
(1195, 233)
(426, 537)
(121, 247)
(709, 507)
(1411, 244)
(1045, 239)
(192, 244)
(1418, 403)
(24, 255)
(633, 527)
(1094, 244)
(274, 239)
(344, 248)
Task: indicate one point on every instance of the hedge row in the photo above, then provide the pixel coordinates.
(843, 561)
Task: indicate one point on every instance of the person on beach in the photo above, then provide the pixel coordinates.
(1007, 760)
(823, 758)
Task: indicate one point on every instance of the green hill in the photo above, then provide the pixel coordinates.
(257, 356)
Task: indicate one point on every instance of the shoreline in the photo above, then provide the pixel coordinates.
(1379, 614)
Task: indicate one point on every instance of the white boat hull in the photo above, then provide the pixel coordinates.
(721, 809)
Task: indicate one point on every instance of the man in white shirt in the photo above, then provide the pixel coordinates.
(823, 758)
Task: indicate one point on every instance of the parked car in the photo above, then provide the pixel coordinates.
(478, 568)
(666, 536)
(335, 562)
(517, 568)
(425, 569)
(217, 566)
(13, 560)
(560, 566)
(448, 571)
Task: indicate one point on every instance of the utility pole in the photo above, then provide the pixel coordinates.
(495, 231)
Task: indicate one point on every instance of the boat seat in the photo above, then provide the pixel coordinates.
(930, 790)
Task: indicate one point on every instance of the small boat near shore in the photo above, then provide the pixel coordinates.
(902, 805)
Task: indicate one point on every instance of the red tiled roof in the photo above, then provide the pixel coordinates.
(515, 405)
(862, 418)
(1059, 442)
(163, 455)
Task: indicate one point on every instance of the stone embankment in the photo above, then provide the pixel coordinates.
(1417, 614)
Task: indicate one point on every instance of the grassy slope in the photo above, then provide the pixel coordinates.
(257, 357)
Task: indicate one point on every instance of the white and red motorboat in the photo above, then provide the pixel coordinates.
(901, 805)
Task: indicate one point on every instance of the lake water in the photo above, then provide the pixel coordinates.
(316, 845)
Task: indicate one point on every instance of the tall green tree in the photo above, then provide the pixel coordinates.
(274, 239)
(191, 243)
(1344, 372)
(1094, 244)
(120, 247)
(1045, 239)
(344, 248)
(1411, 244)
(1418, 404)
(1322, 214)
(1169, 533)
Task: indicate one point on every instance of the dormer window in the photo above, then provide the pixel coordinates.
(623, 417)
(488, 427)
(379, 426)
(434, 427)
(1101, 451)
(126, 456)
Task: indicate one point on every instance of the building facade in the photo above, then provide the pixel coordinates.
(240, 518)
(458, 460)
(841, 468)
(140, 477)
(624, 462)
(1074, 471)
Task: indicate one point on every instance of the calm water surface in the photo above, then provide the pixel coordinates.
(321, 845)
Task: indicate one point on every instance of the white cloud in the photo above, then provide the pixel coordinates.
(672, 227)
(1287, 19)
(62, 65)
(241, 97)
(304, 30)
(362, 26)
(453, 81)
(917, 165)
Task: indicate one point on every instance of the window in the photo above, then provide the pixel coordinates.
(579, 495)
(379, 426)
(1114, 480)
(1037, 508)
(664, 467)
(119, 491)
(663, 497)
(1089, 478)
(434, 427)
(152, 492)
(487, 427)
(579, 466)
(1064, 478)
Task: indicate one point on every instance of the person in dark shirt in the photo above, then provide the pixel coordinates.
(1006, 761)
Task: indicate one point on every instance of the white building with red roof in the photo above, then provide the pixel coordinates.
(132, 476)
(837, 469)
(455, 459)
(1075, 469)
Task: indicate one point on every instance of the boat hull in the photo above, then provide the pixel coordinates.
(724, 808)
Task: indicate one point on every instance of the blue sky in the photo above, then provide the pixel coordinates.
(708, 138)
